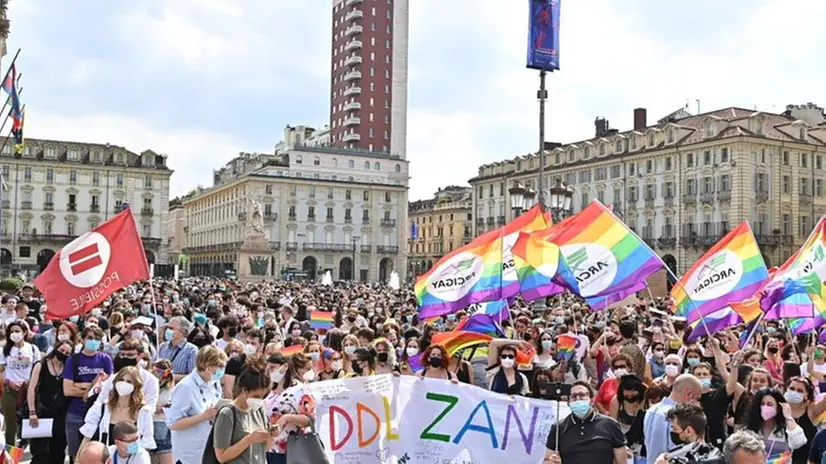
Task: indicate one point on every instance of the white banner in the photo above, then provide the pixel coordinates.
(402, 420)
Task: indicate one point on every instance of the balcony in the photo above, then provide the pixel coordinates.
(480, 221)
(764, 240)
(149, 212)
(354, 29)
(292, 246)
(761, 196)
(707, 197)
(354, 90)
(668, 201)
(275, 245)
(388, 222)
(724, 195)
(6, 204)
(348, 220)
(352, 59)
(366, 248)
(490, 221)
(352, 137)
(353, 15)
(95, 208)
(269, 216)
(311, 218)
(121, 207)
(500, 220)
(649, 202)
(352, 106)
(387, 249)
(26, 204)
(291, 217)
(47, 206)
(352, 45)
(804, 199)
(690, 198)
(330, 219)
(352, 76)
(352, 121)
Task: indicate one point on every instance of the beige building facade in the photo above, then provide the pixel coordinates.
(324, 209)
(58, 190)
(438, 226)
(687, 180)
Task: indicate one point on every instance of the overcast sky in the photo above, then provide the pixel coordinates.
(201, 80)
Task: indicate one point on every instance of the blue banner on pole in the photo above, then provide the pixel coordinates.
(543, 35)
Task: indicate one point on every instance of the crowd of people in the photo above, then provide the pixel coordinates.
(176, 371)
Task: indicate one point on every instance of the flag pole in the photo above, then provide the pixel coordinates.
(6, 140)
(753, 329)
(11, 66)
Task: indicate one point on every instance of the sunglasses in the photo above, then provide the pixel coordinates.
(507, 356)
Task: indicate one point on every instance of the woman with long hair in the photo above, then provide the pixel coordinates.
(125, 404)
(46, 401)
(363, 362)
(628, 409)
(411, 349)
(460, 368)
(292, 409)
(435, 361)
(349, 345)
(502, 375)
(771, 417)
(800, 394)
(16, 361)
(162, 369)
(385, 357)
(241, 429)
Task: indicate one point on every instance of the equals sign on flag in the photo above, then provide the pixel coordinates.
(84, 259)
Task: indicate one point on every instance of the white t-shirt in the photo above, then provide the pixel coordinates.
(19, 362)
(141, 457)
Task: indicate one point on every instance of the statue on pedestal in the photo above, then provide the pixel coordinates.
(256, 221)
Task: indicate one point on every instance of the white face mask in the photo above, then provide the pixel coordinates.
(350, 349)
(250, 349)
(16, 337)
(255, 403)
(276, 375)
(309, 376)
(620, 372)
(63, 337)
(142, 364)
(124, 388)
(671, 370)
(412, 351)
(137, 334)
(507, 362)
(337, 365)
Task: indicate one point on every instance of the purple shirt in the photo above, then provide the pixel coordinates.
(89, 367)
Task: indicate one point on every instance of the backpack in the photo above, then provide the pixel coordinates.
(209, 456)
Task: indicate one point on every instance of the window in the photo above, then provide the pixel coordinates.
(311, 212)
(95, 178)
(366, 196)
(649, 166)
(347, 194)
(49, 198)
(47, 226)
(706, 158)
(632, 169)
(387, 196)
(49, 175)
(785, 158)
(804, 186)
(724, 155)
(312, 191)
(329, 213)
(70, 228)
(72, 177)
(25, 251)
(147, 181)
(292, 212)
(351, 164)
(119, 180)
(668, 164)
(376, 166)
(27, 174)
(619, 146)
(292, 190)
(73, 154)
(365, 215)
(96, 156)
(268, 189)
(329, 193)
(725, 183)
(804, 160)
(49, 152)
(366, 165)
(786, 181)
(348, 216)
(398, 168)
(298, 159)
(804, 226)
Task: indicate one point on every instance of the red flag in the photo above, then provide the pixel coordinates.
(93, 266)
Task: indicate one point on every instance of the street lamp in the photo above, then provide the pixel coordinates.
(354, 239)
(517, 193)
(561, 199)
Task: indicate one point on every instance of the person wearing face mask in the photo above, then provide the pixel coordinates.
(46, 401)
(194, 405)
(293, 409)
(715, 401)
(332, 365)
(543, 345)
(608, 390)
(132, 354)
(805, 410)
(773, 363)
(349, 345)
(125, 403)
(16, 361)
(241, 429)
(628, 409)
(254, 345)
(177, 349)
(657, 360)
(687, 425)
(228, 325)
(673, 366)
(363, 362)
(585, 436)
(127, 448)
(434, 360)
(162, 371)
(771, 418)
(657, 427)
(502, 375)
(385, 357)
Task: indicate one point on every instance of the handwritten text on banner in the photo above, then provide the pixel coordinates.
(388, 420)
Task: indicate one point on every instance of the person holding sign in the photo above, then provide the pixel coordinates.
(585, 436)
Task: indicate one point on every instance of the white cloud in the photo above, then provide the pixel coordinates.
(192, 154)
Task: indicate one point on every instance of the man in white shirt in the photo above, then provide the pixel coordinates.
(127, 448)
(133, 353)
(9, 303)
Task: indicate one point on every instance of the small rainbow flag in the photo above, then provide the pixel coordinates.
(780, 457)
(747, 312)
(797, 288)
(732, 270)
(321, 320)
(607, 260)
(292, 350)
(15, 454)
(566, 347)
(454, 341)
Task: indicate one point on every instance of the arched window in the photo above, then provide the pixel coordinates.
(316, 161)
(298, 159)
(335, 162)
(351, 164)
(377, 166)
(366, 165)
(398, 168)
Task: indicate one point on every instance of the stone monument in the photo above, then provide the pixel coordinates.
(255, 258)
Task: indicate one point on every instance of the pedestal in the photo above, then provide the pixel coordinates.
(254, 259)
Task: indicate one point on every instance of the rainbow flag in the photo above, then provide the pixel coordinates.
(321, 320)
(486, 320)
(15, 455)
(456, 340)
(540, 269)
(779, 457)
(797, 288)
(292, 350)
(732, 270)
(723, 318)
(607, 260)
(566, 347)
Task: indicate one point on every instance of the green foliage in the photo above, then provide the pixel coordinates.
(10, 284)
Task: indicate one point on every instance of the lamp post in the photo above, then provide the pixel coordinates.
(561, 201)
(354, 240)
(521, 198)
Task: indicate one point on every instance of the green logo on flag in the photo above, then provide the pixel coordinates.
(577, 258)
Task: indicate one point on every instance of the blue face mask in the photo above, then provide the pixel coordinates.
(92, 345)
(706, 383)
(793, 397)
(218, 375)
(132, 448)
(200, 319)
(451, 317)
(168, 335)
(693, 361)
(580, 408)
(771, 329)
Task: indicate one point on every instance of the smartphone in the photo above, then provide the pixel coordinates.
(556, 391)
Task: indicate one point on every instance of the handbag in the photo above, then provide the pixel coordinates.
(306, 448)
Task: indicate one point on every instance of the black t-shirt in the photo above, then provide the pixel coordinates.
(591, 441)
(235, 364)
(818, 448)
(715, 406)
